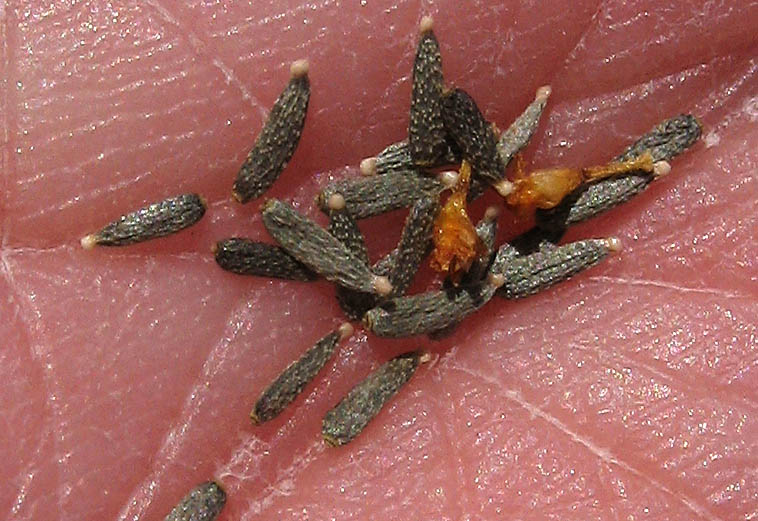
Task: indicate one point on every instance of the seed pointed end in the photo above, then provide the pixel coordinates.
(345, 330)
(496, 279)
(382, 285)
(299, 68)
(504, 187)
(426, 25)
(661, 168)
(543, 93)
(368, 166)
(88, 242)
(449, 179)
(491, 213)
(614, 244)
(336, 202)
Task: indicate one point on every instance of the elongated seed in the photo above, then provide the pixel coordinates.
(202, 503)
(344, 227)
(414, 243)
(153, 221)
(530, 274)
(278, 139)
(426, 132)
(473, 134)
(427, 312)
(664, 141)
(521, 131)
(368, 196)
(291, 382)
(248, 257)
(319, 250)
(351, 415)
(397, 158)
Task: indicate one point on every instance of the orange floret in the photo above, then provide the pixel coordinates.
(456, 244)
(546, 188)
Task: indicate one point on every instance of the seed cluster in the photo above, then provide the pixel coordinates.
(445, 128)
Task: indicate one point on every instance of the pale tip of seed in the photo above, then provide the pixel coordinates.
(382, 285)
(448, 178)
(254, 418)
(203, 201)
(237, 197)
(661, 168)
(88, 242)
(424, 358)
(504, 187)
(345, 330)
(336, 202)
(491, 213)
(331, 441)
(496, 279)
(368, 166)
(214, 248)
(426, 25)
(613, 244)
(543, 93)
(299, 68)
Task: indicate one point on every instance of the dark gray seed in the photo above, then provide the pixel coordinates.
(426, 132)
(365, 400)
(247, 257)
(344, 227)
(319, 250)
(521, 131)
(397, 158)
(157, 220)
(415, 241)
(203, 503)
(530, 274)
(374, 195)
(294, 378)
(427, 312)
(278, 138)
(664, 142)
(472, 133)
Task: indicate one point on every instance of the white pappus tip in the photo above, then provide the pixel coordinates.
(336, 202)
(299, 68)
(345, 330)
(426, 25)
(504, 187)
(661, 168)
(88, 242)
(543, 93)
(614, 244)
(368, 166)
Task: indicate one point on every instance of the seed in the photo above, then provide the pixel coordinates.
(150, 222)
(426, 133)
(665, 141)
(294, 378)
(426, 312)
(344, 227)
(521, 131)
(414, 243)
(278, 138)
(247, 257)
(365, 400)
(202, 503)
(473, 134)
(530, 274)
(397, 158)
(319, 250)
(369, 196)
